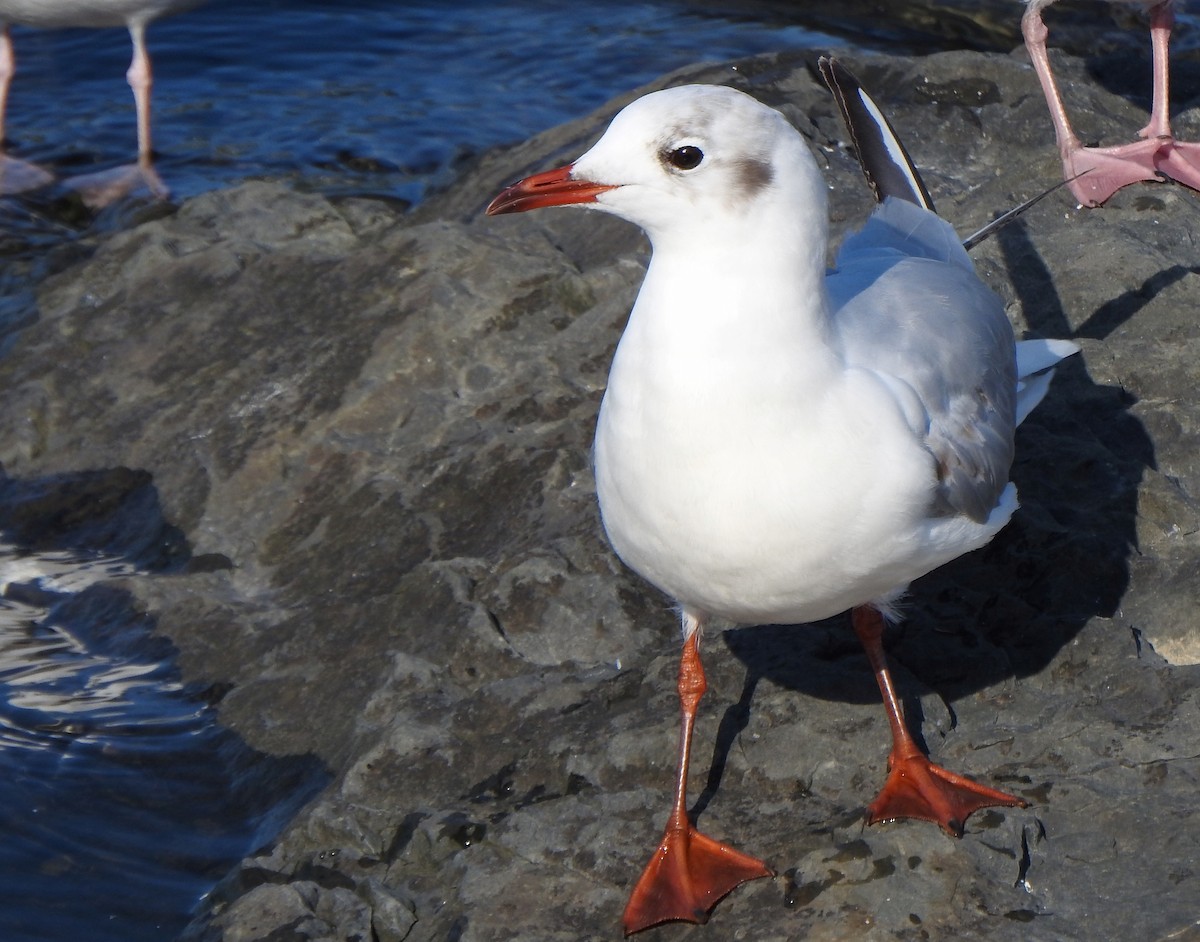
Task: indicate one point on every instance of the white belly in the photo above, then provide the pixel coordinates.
(785, 511)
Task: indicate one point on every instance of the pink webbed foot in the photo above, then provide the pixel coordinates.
(20, 176)
(107, 186)
(1180, 162)
(1094, 174)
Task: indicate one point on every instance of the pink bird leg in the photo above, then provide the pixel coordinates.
(1094, 174)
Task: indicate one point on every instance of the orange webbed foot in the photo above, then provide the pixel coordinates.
(687, 876)
(916, 788)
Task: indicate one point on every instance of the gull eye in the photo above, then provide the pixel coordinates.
(687, 157)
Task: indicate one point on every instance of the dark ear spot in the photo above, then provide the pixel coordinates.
(752, 175)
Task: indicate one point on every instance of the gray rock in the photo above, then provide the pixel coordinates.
(373, 432)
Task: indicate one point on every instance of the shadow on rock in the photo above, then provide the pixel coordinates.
(1008, 609)
(115, 511)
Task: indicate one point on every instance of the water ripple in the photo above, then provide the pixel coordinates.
(121, 799)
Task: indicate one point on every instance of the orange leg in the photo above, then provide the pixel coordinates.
(915, 787)
(689, 872)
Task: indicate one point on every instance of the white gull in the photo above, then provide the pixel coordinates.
(779, 443)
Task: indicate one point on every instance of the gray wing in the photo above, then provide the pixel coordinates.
(910, 307)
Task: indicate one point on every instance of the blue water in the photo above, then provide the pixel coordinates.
(121, 799)
(397, 93)
(386, 97)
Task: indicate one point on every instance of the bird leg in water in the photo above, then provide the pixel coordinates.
(689, 872)
(16, 176)
(107, 186)
(96, 189)
(915, 787)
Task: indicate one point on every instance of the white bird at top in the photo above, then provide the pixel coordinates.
(1095, 173)
(778, 442)
(98, 189)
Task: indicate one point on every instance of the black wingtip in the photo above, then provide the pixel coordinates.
(883, 158)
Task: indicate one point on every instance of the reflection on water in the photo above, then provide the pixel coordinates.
(121, 800)
(51, 681)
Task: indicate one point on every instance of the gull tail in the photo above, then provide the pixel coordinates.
(1036, 360)
(884, 161)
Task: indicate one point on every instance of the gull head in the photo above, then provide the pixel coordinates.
(684, 158)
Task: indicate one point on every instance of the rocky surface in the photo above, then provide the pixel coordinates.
(369, 435)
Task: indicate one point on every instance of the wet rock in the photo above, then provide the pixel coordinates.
(373, 431)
